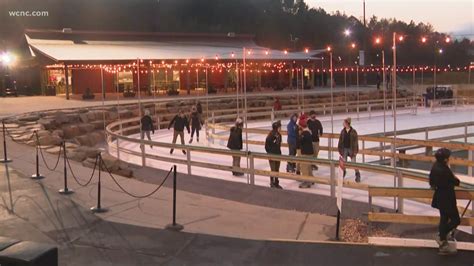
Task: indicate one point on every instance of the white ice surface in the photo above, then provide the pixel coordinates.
(364, 125)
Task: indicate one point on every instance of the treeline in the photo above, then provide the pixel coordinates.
(276, 24)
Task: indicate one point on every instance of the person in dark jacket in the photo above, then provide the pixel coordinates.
(199, 111)
(292, 131)
(147, 126)
(179, 122)
(348, 145)
(306, 142)
(316, 131)
(443, 181)
(273, 146)
(235, 143)
(195, 123)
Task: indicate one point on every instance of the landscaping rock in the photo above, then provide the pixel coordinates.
(50, 140)
(71, 131)
(29, 118)
(110, 162)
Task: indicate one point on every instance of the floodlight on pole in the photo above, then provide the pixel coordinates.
(423, 39)
(347, 32)
(7, 59)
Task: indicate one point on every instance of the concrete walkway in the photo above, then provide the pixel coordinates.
(198, 213)
(41, 214)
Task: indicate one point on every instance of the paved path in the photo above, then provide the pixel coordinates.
(41, 214)
(18, 105)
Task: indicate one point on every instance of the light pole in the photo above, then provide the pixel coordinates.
(332, 101)
(378, 40)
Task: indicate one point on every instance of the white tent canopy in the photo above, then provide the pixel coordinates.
(114, 50)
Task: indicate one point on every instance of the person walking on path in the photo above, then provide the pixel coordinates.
(316, 131)
(273, 146)
(147, 126)
(235, 143)
(195, 123)
(306, 140)
(348, 145)
(292, 129)
(179, 122)
(443, 181)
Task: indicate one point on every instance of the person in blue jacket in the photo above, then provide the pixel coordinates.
(292, 129)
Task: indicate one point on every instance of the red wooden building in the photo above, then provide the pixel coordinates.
(110, 62)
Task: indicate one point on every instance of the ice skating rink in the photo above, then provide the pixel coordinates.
(364, 125)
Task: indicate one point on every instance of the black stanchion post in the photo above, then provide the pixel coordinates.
(5, 157)
(174, 226)
(337, 224)
(98, 208)
(37, 175)
(65, 190)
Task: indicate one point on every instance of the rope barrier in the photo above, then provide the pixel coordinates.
(44, 160)
(75, 177)
(131, 194)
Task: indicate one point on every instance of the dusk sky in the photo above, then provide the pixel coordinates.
(453, 16)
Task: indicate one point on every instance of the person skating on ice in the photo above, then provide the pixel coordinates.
(195, 123)
(273, 146)
(147, 126)
(235, 143)
(292, 130)
(316, 132)
(179, 122)
(306, 146)
(348, 145)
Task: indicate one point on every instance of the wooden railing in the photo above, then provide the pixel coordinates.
(414, 194)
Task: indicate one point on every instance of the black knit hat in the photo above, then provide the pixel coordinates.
(312, 112)
(442, 154)
(276, 125)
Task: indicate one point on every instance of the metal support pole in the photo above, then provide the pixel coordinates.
(174, 226)
(5, 157)
(213, 130)
(98, 208)
(65, 190)
(37, 175)
(465, 134)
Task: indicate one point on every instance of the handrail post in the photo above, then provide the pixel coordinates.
(143, 154)
(118, 148)
(333, 178)
(158, 122)
(272, 115)
(369, 108)
(324, 109)
(188, 159)
(363, 148)
(400, 185)
(252, 168)
(369, 223)
(465, 134)
(470, 159)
